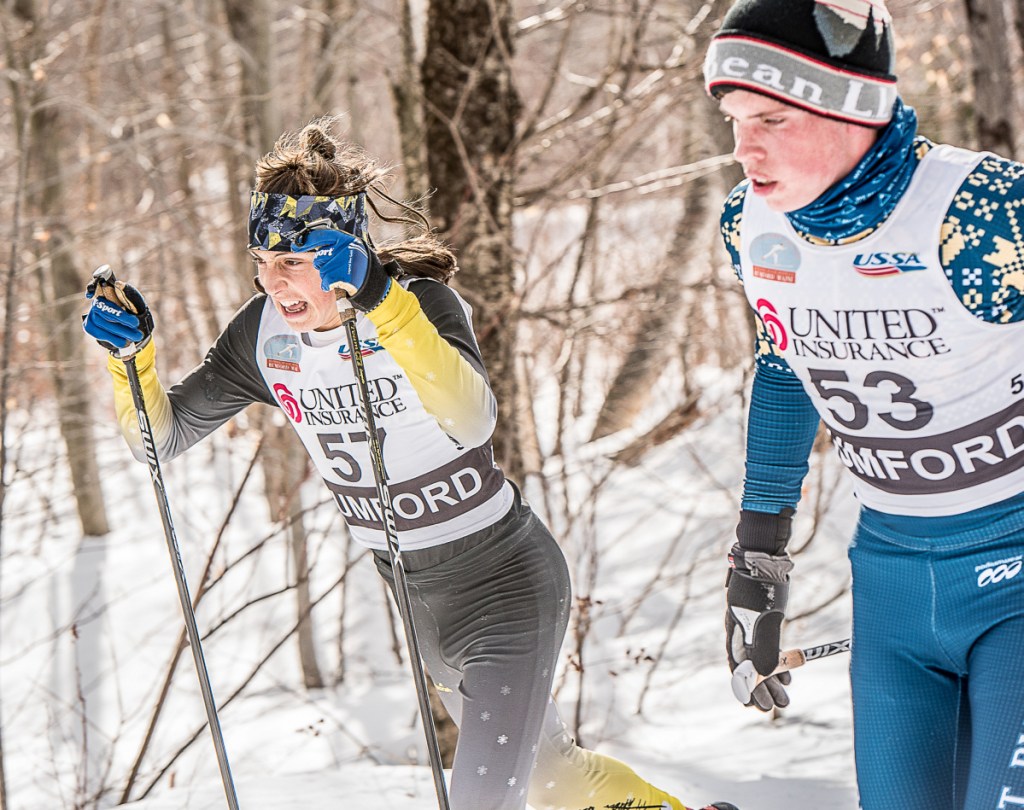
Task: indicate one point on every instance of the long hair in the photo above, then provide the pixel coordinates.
(314, 161)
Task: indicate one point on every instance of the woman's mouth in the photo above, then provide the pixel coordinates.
(762, 186)
(293, 307)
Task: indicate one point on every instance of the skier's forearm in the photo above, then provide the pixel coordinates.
(158, 407)
(780, 433)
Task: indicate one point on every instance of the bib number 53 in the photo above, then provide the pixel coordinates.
(908, 413)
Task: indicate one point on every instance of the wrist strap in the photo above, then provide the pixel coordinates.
(374, 288)
(760, 531)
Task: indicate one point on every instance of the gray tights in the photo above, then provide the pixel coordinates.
(490, 611)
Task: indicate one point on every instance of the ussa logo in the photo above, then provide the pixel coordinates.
(887, 264)
(366, 348)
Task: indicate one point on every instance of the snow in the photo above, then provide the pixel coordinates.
(88, 627)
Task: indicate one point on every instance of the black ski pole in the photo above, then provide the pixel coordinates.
(107, 287)
(745, 678)
(348, 317)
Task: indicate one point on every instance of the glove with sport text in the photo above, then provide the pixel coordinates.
(345, 261)
(118, 316)
(758, 590)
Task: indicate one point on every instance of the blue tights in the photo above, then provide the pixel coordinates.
(938, 672)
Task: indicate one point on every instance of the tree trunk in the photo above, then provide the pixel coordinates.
(61, 288)
(249, 22)
(284, 459)
(40, 184)
(644, 362)
(472, 108)
(235, 169)
(181, 159)
(407, 96)
(285, 467)
(333, 43)
(992, 71)
(6, 376)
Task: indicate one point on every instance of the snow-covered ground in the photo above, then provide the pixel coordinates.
(89, 625)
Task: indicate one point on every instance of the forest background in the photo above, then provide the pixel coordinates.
(567, 151)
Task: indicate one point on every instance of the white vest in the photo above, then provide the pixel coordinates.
(439, 490)
(924, 402)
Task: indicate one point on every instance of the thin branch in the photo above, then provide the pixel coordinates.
(241, 687)
(204, 586)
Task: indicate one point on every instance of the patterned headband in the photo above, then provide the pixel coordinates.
(277, 221)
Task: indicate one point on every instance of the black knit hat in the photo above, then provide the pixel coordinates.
(833, 58)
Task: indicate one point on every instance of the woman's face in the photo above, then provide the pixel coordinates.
(791, 156)
(293, 284)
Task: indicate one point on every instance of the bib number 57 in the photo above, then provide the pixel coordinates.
(345, 465)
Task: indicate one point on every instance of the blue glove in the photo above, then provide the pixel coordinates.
(343, 260)
(110, 319)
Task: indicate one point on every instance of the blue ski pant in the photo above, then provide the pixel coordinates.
(937, 672)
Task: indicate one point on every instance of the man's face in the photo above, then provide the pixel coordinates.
(293, 284)
(791, 156)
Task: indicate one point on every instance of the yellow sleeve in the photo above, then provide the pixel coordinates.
(158, 407)
(451, 390)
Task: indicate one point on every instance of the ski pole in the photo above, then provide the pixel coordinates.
(348, 317)
(745, 678)
(107, 287)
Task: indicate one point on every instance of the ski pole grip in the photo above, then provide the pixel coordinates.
(110, 289)
(344, 304)
(745, 678)
(789, 659)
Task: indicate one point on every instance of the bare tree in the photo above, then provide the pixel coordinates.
(284, 471)
(6, 374)
(284, 459)
(407, 96)
(59, 280)
(472, 108)
(249, 23)
(996, 109)
(336, 23)
(692, 242)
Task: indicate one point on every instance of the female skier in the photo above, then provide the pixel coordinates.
(489, 585)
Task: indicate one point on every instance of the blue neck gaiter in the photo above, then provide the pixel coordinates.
(863, 199)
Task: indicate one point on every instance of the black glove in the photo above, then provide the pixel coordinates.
(758, 590)
(118, 316)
